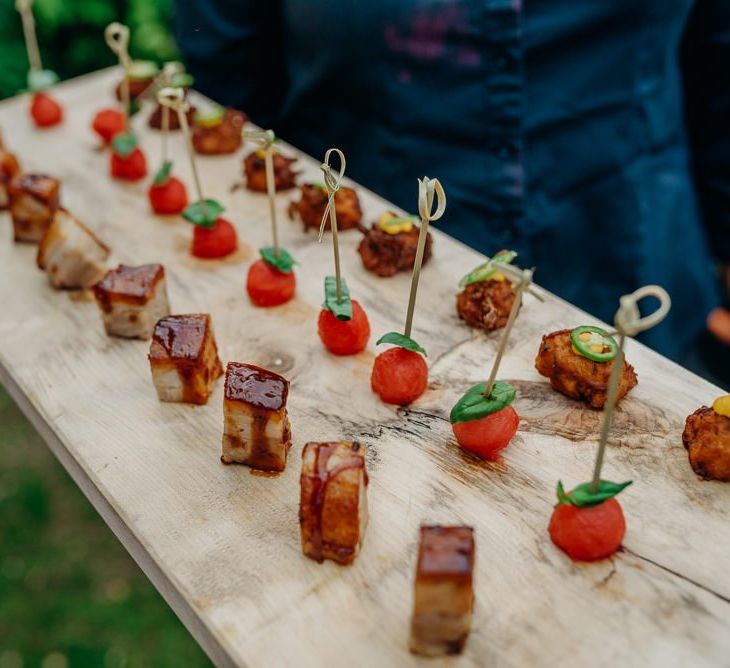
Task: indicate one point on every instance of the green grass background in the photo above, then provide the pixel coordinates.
(70, 595)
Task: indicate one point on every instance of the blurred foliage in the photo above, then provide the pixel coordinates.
(70, 595)
(71, 36)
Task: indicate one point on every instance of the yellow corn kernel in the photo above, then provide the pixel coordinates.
(597, 347)
(585, 336)
(721, 406)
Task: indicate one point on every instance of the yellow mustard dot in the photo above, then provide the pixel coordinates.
(597, 347)
(721, 406)
(585, 336)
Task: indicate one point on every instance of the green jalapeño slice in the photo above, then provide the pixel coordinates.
(594, 343)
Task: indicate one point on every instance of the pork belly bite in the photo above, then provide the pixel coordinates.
(576, 376)
(256, 425)
(254, 169)
(9, 168)
(333, 506)
(33, 202)
(132, 300)
(486, 304)
(443, 593)
(71, 254)
(706, 436)
(385, 252)
(223, 136)
(312, 205)
(184, 358)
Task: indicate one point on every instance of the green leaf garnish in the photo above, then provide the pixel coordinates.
(319, 184)
(163, 173)
(342, 310)
(203, 212)
(486, 270)
(283, 261)
(182, 80)
(474, 405)
(41, 79)
(210, 117)
(583, 496)
(141, 70)
(134, 107)
(123, 144)
(402, 342)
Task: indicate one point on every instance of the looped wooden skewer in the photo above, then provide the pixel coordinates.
(25, 10)
(628, 322)
(267, 138)
(117, 39)
(427, 190)
(523, 283)
(332, 183)
(174, 98)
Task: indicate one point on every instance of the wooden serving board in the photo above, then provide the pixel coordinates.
(222, 545)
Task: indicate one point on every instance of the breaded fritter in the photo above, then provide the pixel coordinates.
(706, 436)
(486, 304)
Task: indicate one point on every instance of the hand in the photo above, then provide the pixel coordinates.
(718, 321)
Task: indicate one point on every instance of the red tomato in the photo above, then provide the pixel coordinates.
(107, 123)
(399, 376)
(590, 533)
(131, 168)
(488, 435)
(344, 337)
(217, 241)
(168, 198)
(45, 110)
(267, 286)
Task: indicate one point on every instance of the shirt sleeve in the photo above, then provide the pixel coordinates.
(233, 49)
(706, 68)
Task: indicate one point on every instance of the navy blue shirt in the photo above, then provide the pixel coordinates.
(592, 137)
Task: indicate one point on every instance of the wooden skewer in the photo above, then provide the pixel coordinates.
(332, 183)
(267, 139)
(31, 39)
(117, 38)
(427, 188)
(628, 322)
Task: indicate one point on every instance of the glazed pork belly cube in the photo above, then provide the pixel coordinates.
(184, 358)
(443, 592)
(9, 168)
(256, 425)
(132, 300)
(333, 506)
(71, 254)
(33, 202)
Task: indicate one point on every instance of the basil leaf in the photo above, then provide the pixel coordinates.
(584, 497)
(123, 144)
(487, 269)
(41, 79)
(401, 341)
(134, 107)
(203, 213)
(163, 173)
(474, 405)
(283, 261)
(342, 310)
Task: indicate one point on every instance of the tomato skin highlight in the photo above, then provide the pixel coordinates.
(487, 436)
(107, 123)
(214, 242)
(344, 337)
(131, 168)
(45, 111)
(589, 533)
(169, 198)
(267, 286)
(399, 376)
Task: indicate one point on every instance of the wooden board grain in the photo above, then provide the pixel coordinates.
(223, 545)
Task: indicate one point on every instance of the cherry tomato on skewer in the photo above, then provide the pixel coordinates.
(167, 194)
(268, 286)
(344, 337)
(216, 241)
(108, 123)
(399, 376)
(588, 525)
(127, 161)
(46, 112)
